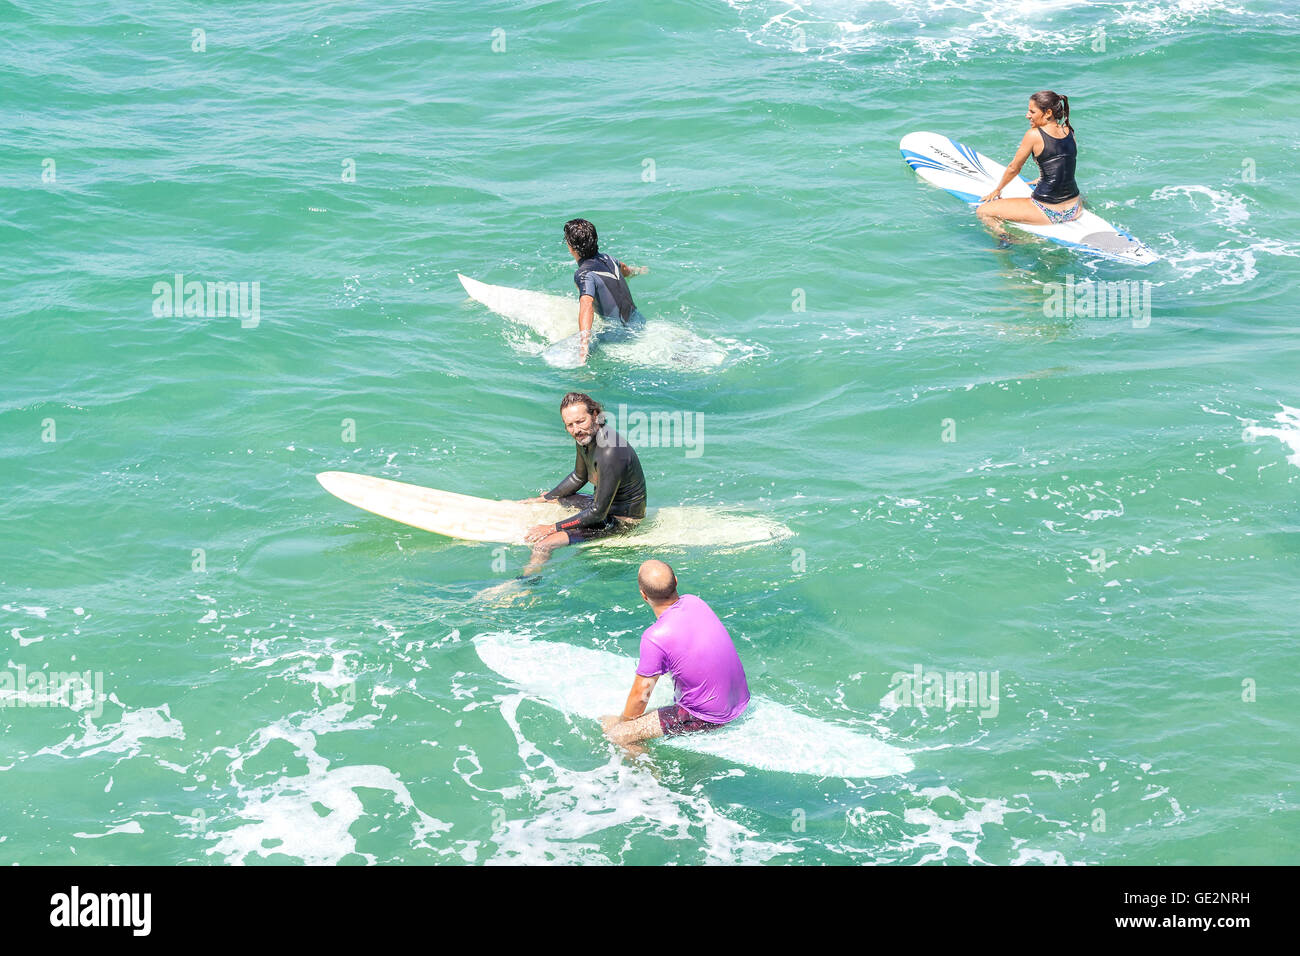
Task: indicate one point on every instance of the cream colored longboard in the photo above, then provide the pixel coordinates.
(553, 317)
(506, 522)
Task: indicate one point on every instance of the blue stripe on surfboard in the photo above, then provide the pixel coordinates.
(919, 162)
(970, 154)
(916, 159)
(926, 164)
(971, 198)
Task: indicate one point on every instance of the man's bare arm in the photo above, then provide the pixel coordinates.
(1023, 152)
(586, 316)
(639, 697)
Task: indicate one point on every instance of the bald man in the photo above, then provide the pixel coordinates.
(688, 641)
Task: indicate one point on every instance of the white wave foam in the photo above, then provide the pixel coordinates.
(1287, 432)
(125, 736)
(944, 833)
(1059, 776)
(664, 344)
(1163, 17)
(1230, 263)
(309, 817)
(130, 826)
(41, 612)
(1230, 266)
(1026, 855)
(948, 30)
(1223, 206)
(570, 806)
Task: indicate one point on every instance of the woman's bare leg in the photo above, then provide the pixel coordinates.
(996, 212)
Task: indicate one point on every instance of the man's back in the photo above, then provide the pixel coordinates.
(601, 277)
(689, 642)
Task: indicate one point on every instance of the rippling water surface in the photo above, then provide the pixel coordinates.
(1096, 512)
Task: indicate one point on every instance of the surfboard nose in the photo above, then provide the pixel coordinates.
(335, 482)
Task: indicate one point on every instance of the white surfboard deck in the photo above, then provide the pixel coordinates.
(969, 175)
(768, 736)
(506, 522)
(555, 319)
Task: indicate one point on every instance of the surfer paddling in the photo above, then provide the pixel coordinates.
(605, 459)
(1050, 139)
(601, 282)
(688, 641)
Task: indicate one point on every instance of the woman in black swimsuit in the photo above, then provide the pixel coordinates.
(1056, 197)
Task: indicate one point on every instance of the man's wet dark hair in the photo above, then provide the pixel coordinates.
(581, 235)
(582, 398)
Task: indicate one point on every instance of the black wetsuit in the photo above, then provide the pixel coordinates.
(611, 465)
(601, 277)
(1056, 167)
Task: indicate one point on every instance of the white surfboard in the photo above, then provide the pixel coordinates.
(768, 736)
(506, 522)
(969, 175)
(555, 319)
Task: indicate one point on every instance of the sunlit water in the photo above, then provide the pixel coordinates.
(1098, 512)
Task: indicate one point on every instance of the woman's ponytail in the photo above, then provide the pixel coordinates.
(1054, 103)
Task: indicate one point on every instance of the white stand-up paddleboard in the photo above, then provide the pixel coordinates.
(969, 175)
(555, 319)
(506, 522)
(768, 736)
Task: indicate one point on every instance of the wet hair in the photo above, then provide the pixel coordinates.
(581, 235)
(653, 582)
(582, 398)
(1054, 103)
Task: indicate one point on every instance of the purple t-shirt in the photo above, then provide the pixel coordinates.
(689, 642)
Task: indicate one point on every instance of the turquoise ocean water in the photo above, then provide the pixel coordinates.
(1099, 511)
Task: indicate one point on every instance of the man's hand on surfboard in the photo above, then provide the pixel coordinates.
(537, 532)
